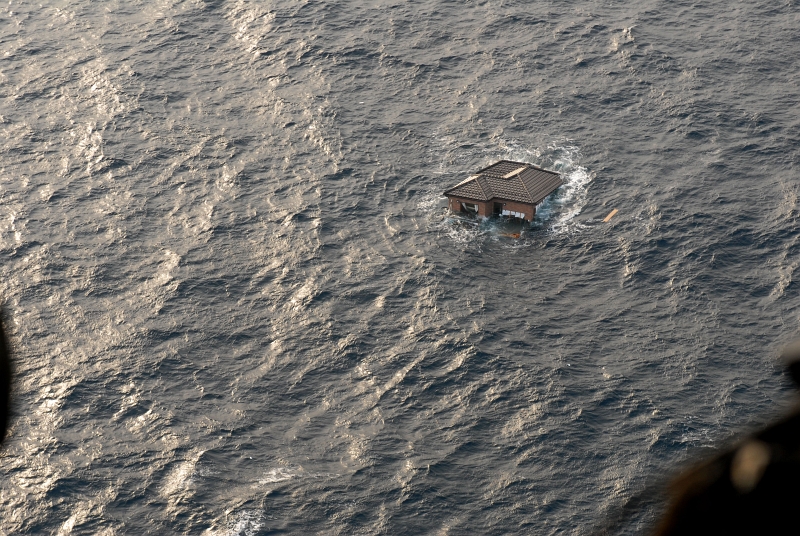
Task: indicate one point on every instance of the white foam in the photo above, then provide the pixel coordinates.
(561, 208)
(244, 523)
(278, 474)
(247, 523)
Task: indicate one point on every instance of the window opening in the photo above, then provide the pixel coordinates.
(472, 208)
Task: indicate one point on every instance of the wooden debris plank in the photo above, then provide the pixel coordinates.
(610, 215)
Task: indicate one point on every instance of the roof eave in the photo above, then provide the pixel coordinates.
(551, 192)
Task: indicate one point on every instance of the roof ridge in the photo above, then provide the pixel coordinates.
(480, 171)
(465, 181)
(539, 168)
(525, 186)
(480, 180)
(516, 172)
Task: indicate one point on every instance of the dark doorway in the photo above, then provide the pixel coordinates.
(498, 209)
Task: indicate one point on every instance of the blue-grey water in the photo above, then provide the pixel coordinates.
(238, 308)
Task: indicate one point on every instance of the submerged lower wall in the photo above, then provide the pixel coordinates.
(487, 208)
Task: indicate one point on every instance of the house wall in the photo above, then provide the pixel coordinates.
(487, 209)
(484, 209)
(528, 210)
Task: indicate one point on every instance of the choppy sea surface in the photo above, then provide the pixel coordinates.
(237, 307)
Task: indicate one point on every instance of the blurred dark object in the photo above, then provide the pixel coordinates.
(751, 488)
(5, 381)
(791, 360)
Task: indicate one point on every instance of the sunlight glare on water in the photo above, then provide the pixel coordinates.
(238, 307)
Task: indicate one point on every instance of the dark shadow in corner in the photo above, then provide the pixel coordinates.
(5, 381)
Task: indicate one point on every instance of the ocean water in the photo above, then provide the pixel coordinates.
(237, 308)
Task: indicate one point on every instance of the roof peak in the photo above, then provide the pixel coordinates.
(503, 167)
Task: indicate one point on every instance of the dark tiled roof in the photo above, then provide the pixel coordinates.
(512, 181)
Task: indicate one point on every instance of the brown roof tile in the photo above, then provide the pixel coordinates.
(508, 180)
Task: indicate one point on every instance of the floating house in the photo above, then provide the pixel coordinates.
(505, 188)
